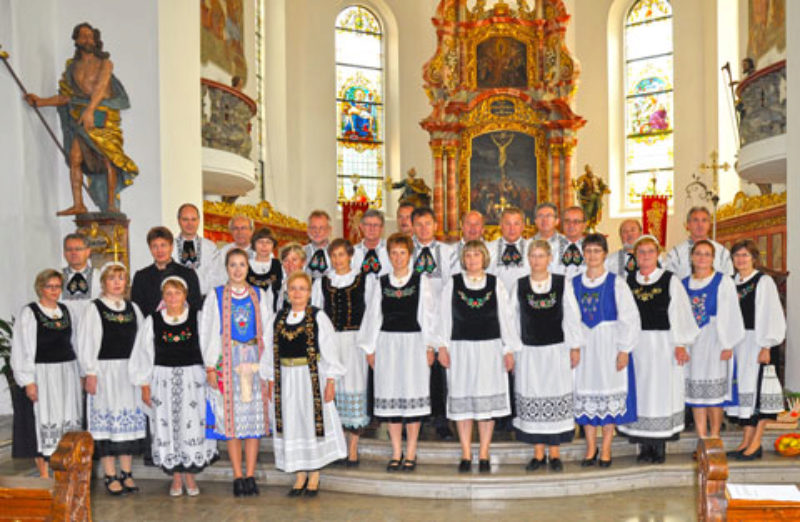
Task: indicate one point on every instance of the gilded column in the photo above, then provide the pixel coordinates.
(569, 200)
(452, 191)
(438, 186)
(555, 174)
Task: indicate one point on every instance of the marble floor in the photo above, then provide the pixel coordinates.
(217, 504)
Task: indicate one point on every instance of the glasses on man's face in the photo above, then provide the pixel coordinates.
(240, 229)
(52, 287)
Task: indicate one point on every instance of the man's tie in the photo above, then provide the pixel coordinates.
(425, 261)
(318, 262)
(511, 256)
(371, 263)
(77, 284)
(630, 263)
(189, 253)
(572, 256)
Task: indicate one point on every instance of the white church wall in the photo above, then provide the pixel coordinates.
(300, 85)
(599, 49)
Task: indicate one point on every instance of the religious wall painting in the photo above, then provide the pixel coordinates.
(222, 36)
(502, 173)
(767, 28)
(502, 62)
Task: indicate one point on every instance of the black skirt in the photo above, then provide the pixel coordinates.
(23, 445)
(548, 439)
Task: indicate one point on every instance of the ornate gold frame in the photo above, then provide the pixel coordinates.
(500, 30)
(481, 121)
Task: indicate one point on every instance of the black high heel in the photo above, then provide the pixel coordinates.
(110, 479)
(311, 493)
(757, 454)
(296, 492)
(250, 487)
(585, 463)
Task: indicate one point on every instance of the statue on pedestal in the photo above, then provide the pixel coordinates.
(89, 101)
(591, 190)
(415, 191)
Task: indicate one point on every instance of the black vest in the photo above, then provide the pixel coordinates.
(271, 279)
(652, 301)
(345, 306)
(293, 339)
(119, 331)
(541, 315)
(747, 300)
(53, 336)
(474, 311)
(177, 344)
(399, 305)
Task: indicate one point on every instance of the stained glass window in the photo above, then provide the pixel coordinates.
(359, 104)
(649, 151)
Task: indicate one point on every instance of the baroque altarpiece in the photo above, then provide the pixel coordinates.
(502, 130)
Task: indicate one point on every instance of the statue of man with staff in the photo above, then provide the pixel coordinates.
(89, 100)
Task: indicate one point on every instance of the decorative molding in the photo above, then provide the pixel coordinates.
(743, 204)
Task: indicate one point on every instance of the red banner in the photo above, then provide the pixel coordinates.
(351, 218)
(654, 217)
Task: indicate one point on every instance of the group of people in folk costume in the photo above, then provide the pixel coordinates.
(622, 341)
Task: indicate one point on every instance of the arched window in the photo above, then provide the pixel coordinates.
(359, 103)
(649, 125)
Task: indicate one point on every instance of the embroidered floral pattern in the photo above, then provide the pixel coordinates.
(399, 293)
(645, 294)
(291, 335)
(371, 264)
(241, 315)
(699, 309)
(745, 290)
(542, 303)
(118, 317)
(590, 302)
(475, 302)
(177, 337)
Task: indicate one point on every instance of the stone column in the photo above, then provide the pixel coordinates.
(566, 190)
(792, 193)
(452, 191)
(438, 186)
(555, 174)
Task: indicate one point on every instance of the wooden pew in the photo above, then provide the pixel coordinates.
(63, 498)
(712, 502)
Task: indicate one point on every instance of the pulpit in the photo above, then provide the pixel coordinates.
(502, 130)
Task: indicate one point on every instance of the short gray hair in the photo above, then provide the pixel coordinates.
(374, 213)
(240, 216)
(76, 236)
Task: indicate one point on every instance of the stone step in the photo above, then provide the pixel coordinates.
(506, 481)
(446, 453)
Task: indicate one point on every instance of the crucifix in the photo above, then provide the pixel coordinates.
(714, 167)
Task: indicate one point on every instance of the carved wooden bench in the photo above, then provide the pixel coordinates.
(63, 498)
(713, 505)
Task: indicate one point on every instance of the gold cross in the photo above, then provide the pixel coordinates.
(715, 167)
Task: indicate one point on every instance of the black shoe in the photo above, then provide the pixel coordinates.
(394, 464)
(535, 464)
(311, 493)
(604, 463)
(296, 492)
(444, 433)
(585, 463)
(465, 466)
(351, 463)
(239, 488)
(660, 453)
(110, 479)
(757, 454)
(732, 454)
(556, 465)
(484, 466)
(409, 465)
(646, 453)
(125, 475)
(250, 487)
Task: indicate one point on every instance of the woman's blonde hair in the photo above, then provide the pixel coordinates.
(43, 277)
(475, 245)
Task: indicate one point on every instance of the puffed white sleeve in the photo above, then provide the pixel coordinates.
(330, 365)
(571, 323)
(725, 261)
(428, 314)
(515, 334)
(265, 308)
(140, 366)
(266, 369)
(90, 338)
(23, 348)
(317, 299)
(770, 322)
(628, 322)
(507, 332)
(373, 317)
(210, 338)
(730, 325)
(682, 326)
(446, 313)
(673, 260)
(97, 286)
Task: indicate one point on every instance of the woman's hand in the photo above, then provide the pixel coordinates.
(763, 356)
(444, 357)
(574, 357)
(32, 392)
(431, 356)
(91, 384)
(508, 359)
(270, 387)
(725, 355)
(371, 360)
(146, 398)
(330, 390)
(622, 360)
(211, 378)
(681, 355)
